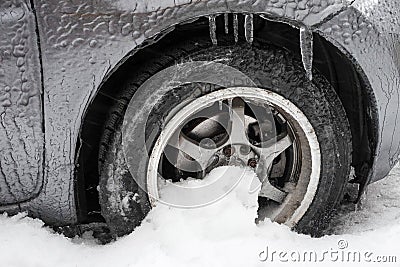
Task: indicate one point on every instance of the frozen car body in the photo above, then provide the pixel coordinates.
(55, 56)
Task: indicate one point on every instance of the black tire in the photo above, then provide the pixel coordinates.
(270, 67)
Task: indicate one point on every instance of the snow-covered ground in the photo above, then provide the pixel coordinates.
(222, 234)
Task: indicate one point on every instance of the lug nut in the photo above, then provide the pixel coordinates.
(214, 160)
(228, 151)
(252, 163)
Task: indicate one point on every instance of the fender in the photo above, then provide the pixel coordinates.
(374, 45)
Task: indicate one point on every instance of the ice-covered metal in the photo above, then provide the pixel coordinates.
(376, 52)
(21, 136)
(83, 42)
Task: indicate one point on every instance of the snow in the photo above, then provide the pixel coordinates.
(220, 234)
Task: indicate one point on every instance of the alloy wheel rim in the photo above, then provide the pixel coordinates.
(238, 99)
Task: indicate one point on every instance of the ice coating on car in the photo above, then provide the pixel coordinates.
(84, 42)
(21, 134)
(374, 52)
(384, 14)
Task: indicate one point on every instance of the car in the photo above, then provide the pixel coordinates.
(105, 101)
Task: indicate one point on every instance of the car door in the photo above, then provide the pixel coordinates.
(21, 132)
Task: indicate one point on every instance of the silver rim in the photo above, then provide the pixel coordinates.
(196, 143)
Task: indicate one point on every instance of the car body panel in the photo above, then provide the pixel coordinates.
(376, 52)
(84, 42)
(21, 134)
(384, 15)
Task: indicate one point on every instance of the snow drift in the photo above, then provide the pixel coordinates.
(221, 234)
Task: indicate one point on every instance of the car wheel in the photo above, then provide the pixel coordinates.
(300, 145)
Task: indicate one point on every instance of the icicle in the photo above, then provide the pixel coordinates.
(226, 23)
(230, 102)
(306, 46)
(236, 27)
(213, 29)
(248, 28)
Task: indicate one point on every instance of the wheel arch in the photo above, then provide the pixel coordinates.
(361, 116)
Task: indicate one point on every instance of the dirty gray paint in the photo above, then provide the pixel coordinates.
(21, 137)
(84, 41)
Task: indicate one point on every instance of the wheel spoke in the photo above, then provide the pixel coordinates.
(238, 127)
(281, 145)
(268, 151)
(196, 151)
(272, 148)
(272, 192)
(201, 153)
